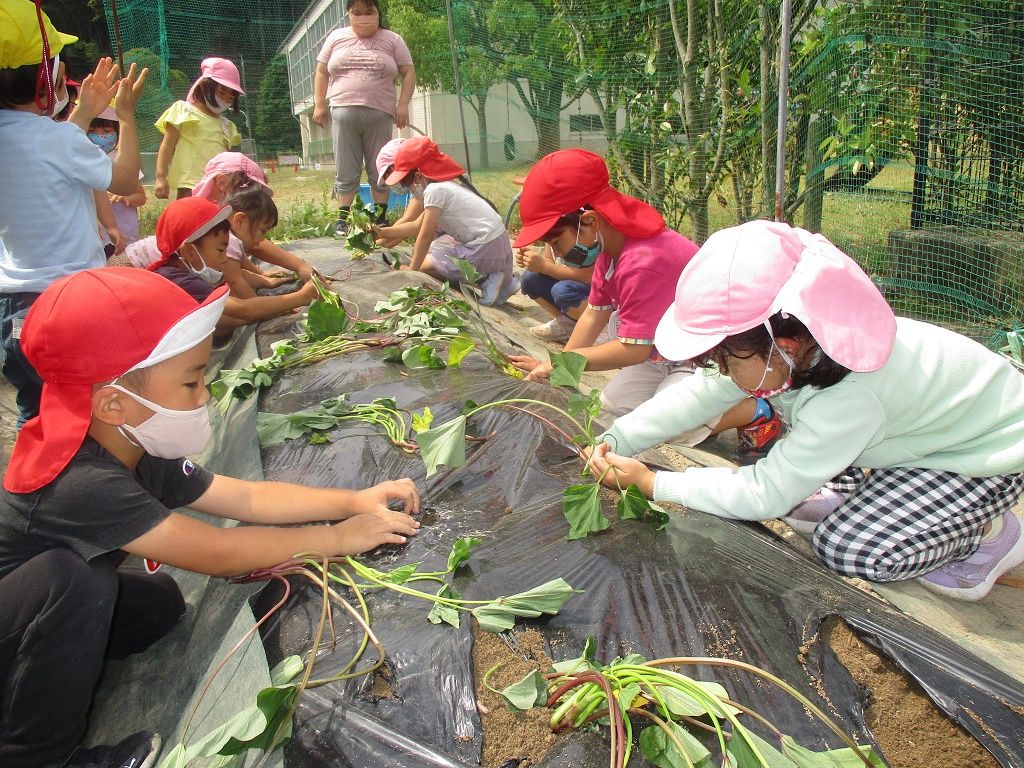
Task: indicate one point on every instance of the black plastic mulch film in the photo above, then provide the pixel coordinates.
(703, 587)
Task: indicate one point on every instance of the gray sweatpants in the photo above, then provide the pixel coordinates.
(358, 134)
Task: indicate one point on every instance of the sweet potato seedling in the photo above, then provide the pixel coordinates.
(580, 692)
(267, 724)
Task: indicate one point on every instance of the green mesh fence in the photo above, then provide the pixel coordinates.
(904, 138)
(171, 37)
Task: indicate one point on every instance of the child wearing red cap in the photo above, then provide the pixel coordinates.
(48, 174)
(569, 204)
(195, 129)
(192, 235)
(457, 222)
(97, 475)
(920, 482)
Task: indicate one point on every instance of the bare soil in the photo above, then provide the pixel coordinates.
(510, 739)
(911, 731)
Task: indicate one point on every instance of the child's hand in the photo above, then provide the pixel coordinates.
(620, 472)
(363, 532)
(117, 238)
(161, 190)
(536, 369)
(531, 259)
(376, 499)
(308, 292)
(129, 88)
(385, 237)
(97, 89)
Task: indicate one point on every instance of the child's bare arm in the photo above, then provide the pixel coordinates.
(245, 311)
(272, 253)
(164, 156)
(124, 177)
(185, 542)
(105, 216)
(234, 276)
(272, 502)
(428, 230)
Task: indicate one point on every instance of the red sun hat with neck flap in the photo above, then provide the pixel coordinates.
(565, 181)
(90, 328)
(420, 153)
(184, 221)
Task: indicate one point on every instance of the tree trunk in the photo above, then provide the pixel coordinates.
(481, 124)
(769, 103)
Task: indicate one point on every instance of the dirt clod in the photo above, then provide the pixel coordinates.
(511, 740)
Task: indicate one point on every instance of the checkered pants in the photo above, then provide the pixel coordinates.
(900, 523)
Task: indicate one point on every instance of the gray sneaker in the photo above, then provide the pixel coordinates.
(489, 288)
(140, 750)
(508, 288)
(972, 579)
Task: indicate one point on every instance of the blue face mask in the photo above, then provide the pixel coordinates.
(105, 141)
(581, 255)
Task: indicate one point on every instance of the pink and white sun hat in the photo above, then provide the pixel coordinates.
(228, 162)
(220, 71)
(386, 157)
(743, 275)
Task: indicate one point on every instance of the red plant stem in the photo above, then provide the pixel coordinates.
(559, 430)
(617, 730)
(247, 636)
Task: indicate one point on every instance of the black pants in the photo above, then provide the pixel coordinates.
(59, 618)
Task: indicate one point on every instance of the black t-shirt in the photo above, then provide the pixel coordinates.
(95, 506)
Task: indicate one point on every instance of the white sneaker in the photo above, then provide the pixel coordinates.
(806, 515)
(489, 288)
(556, 329)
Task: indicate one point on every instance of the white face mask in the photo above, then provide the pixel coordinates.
(59, 102)
(207, 274)
(218, 105)
(168, 434)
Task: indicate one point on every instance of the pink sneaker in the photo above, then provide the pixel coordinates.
(972, 579)
(806, 515)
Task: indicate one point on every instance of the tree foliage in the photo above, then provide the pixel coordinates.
(275, 128)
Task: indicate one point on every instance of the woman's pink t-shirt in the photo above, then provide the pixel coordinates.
(362, 70)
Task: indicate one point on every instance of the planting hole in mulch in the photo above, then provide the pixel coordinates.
(910, 729)
(510, 739)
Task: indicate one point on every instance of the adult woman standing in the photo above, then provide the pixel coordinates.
(354, 87)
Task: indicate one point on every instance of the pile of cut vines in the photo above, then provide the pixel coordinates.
(267, 724)
(580, 692)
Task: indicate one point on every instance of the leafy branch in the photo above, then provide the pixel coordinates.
(383, 412)
(360, 240)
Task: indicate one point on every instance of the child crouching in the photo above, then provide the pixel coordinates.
(906, 445)
(122, 353)
(192, 235)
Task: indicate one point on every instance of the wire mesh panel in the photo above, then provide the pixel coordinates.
(903, 144)
(172, 37)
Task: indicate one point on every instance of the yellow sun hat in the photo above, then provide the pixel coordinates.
(22, 25)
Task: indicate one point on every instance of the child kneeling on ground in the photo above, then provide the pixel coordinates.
(192, 235)
(912, 433)
(457, 222)
(122, 353)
